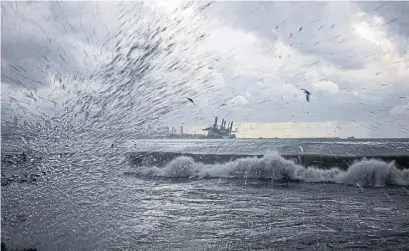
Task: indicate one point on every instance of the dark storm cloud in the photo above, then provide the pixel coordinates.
(396, 18)
(27, 64)
(319, 29)
(326, 31)
(42, 38)
(264, 53)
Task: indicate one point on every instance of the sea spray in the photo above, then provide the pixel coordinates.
(366, 172)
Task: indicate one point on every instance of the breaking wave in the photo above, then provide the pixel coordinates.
(365, 172)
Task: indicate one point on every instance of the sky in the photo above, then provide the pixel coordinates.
(128, 65)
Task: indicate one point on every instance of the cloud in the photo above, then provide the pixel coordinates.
(354, 63)
(402, 110)
(326, 86)
(239, 100)
(135, 63)
(394, 16)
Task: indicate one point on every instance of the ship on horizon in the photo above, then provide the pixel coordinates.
(214, 131)
(220, 132)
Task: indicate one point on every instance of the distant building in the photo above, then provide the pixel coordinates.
(163, 131)
(181, 130)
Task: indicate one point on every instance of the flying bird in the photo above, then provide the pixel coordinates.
(307, 93)
(191, 100)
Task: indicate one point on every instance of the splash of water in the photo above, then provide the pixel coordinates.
(140, 75)
(272, 166)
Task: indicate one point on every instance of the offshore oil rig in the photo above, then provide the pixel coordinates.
(220, 132)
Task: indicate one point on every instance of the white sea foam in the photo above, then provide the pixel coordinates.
(366, 172)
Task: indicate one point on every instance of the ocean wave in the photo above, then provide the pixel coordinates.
(364, 172)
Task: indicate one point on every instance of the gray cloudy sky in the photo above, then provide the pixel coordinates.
(254, 57)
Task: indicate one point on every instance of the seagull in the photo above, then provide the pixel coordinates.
(191, 100)
(307, 94)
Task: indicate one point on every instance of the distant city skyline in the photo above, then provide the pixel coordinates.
(245, 129)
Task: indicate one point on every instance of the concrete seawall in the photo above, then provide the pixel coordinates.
(319, 161)
(162, 158)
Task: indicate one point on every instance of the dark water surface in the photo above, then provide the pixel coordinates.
(215, 214)
(106, 203)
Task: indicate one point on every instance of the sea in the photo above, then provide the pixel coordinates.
(82, 79)
(237, 194)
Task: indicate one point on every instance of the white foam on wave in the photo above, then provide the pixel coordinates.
(366, 172)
